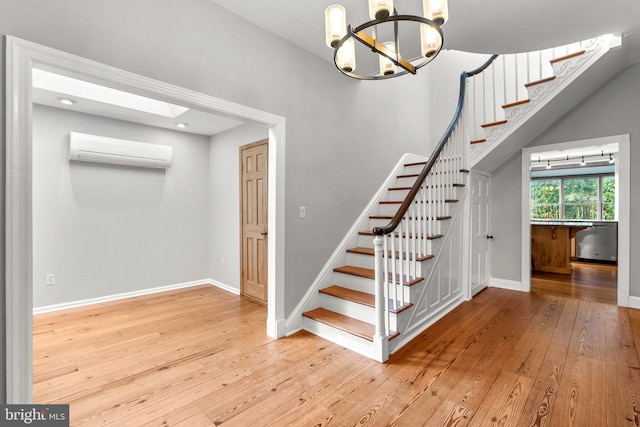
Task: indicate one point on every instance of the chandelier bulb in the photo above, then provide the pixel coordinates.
(387, 67)
(430, 40)
(346, 56)
(380, 9)
(436, 11)
(335, 24)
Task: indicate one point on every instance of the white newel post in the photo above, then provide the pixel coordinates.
(380, 339)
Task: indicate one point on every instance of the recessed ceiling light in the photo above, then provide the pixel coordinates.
(66, 101)
(182, 125)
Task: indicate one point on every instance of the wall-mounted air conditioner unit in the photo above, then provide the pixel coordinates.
(101, 149)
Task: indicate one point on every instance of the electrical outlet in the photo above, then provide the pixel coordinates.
(221, 262)
(303, 211)
(51, 279)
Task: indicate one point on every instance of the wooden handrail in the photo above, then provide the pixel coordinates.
(395, 221)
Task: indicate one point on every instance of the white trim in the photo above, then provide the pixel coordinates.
(21, 55)
(141, 292)
(510, 285)
(634, 302)
(624, 208)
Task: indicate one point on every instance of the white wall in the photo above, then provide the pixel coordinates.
(224, 218)
(3, 342)
(610, 110)
(104, 229)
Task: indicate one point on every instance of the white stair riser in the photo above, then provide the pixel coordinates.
(347, 308)
(356, 283)
(361, 312)
(344, 339)
(391, 209)
(358, 260)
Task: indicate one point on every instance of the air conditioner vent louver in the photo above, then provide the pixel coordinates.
(101, 149)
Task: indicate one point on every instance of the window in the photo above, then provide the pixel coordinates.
(608, 198)
(581, 198)
(545, 199)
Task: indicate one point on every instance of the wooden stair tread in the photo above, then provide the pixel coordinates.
(514, 104)
(429, 237)
(345, 323)
(438, 218)
(369, 273)
(411, 175)
(399, 202)
(478, 141)
(428, 186)
(370, 252)
(571, 55)
(537, 82)
(415, 164)
(498, 123)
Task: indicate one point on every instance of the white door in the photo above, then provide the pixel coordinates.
(480, 234)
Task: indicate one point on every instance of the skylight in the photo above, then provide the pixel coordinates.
(85, 90)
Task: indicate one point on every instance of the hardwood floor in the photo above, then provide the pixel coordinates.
(588, 281)
(200, 357)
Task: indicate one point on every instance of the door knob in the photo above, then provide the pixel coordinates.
(263, 232)
(489, 237)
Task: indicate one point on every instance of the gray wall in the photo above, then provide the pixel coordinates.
(506, 224)
(342, 135)
(104, 229)
(610, 110)
(224, 175)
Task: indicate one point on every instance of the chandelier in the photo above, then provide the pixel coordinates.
(381, 35)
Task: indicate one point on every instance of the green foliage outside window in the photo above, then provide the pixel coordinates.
(545, 199)
(608, 198)
(581, 198)
(578, 200)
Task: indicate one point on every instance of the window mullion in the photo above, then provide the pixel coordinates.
(600, 198)
(561, 207)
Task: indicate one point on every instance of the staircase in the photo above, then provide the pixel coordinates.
(346, 299)
(516, 97)
(405, 262)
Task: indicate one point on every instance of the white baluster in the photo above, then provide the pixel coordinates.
(380, 339)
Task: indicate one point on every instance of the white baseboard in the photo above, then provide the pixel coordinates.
(510, 285)
(634, 302)
(115, 297)
(222, 286)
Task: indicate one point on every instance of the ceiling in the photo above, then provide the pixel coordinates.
(503, 26)
(487, 26)
(198, 122)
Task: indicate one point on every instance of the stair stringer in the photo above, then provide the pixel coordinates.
(295, 321)
(442, 290)
(525, 122)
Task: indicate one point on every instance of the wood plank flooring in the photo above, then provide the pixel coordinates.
(588, 281)
(200, 357)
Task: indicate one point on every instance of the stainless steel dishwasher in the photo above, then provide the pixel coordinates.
(598, 242)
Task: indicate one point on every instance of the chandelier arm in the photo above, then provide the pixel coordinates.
(379, 48)
(358, 33)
